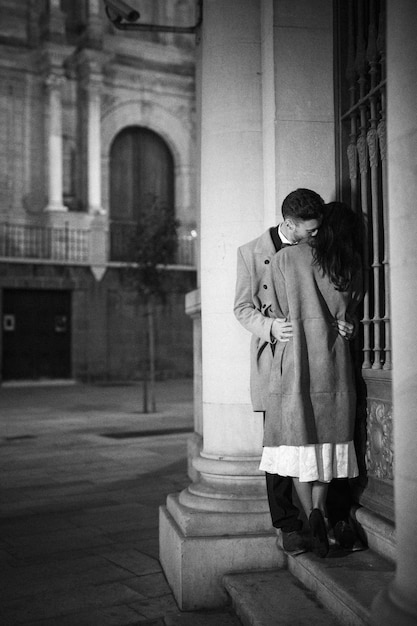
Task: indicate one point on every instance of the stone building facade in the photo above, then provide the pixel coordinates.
(94, 123)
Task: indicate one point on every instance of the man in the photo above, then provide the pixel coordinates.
(302, 214)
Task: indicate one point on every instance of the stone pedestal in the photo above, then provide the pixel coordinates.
(218, 525)
(195, 561)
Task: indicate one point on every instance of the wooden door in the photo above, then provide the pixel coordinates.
(141, 173)
(36, 334)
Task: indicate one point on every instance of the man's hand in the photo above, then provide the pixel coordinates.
(345, 329)
(281, 330)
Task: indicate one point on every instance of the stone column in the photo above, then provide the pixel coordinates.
(93, 91)
(94, 30)
(90, 78)
(398, 603)
(221, 523)
(54, 174)
(55, 22)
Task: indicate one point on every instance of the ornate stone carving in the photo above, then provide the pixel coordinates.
(352, 156)
(108, 101)
(372, 139)
(382, 136)
(363, 153)
(54, 81)
(379, 445)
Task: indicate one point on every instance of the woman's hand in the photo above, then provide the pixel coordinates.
(281, 330)
(345, 329)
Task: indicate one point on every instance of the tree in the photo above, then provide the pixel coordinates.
(154, 245)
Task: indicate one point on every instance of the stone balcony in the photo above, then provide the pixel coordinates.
(95, 244)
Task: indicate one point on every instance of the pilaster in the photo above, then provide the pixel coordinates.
(397, 604)
(53, 85)
(52, 62)
(90, 80)
(53, 22)
(93, 36)
(221, 522)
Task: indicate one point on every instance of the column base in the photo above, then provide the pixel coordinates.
(56, 207)
(387, 610)
(198, 547)
(96, 210)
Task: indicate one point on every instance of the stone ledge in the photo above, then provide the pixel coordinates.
(336, 590)
(274, 598)
(346, 583)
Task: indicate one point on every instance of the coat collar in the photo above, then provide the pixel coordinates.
(265, 245)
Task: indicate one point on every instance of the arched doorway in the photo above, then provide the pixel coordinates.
(141, 173)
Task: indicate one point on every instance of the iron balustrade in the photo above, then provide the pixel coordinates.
(122, 244)
(72, 245)
(27, 241)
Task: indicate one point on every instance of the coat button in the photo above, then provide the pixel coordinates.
(265, 287)
(266, 261)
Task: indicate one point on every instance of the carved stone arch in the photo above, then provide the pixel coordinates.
(171, 128)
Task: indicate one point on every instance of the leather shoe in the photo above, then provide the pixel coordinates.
(292, 542)
(346, 537)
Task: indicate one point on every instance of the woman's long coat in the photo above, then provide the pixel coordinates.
(312, 395)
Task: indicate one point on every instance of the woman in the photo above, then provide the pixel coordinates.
(310, 414)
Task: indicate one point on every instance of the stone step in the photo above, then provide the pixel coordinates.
(346, 583)
(275, 598)
(336, 590)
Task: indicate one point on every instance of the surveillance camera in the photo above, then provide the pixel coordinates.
(117, 10)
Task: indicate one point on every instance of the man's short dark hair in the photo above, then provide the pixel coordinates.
(303, 204)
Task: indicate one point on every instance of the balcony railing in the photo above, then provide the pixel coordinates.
(24, 241)
(122, 244)
(73, 245)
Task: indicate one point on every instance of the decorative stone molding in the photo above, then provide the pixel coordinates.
(379, 446)
(382, 136)
(362, 153)
(352, 156)
(372, 140)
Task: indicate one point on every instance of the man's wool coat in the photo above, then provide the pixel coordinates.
(250, 309)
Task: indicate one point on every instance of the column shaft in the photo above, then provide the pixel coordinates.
(54, 145)
(93, 150)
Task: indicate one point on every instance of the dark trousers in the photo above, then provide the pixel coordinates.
(285, 514)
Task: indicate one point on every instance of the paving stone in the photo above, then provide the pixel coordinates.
(34, 524)
(56, 604)
(120, 615)
(200, 618)
(79, 519)
(151, 585)
(156, 607)
(149, 546)
(133, 561)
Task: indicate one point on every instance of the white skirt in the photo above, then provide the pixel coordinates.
(320, 462)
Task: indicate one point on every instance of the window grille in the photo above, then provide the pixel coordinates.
(362, 162)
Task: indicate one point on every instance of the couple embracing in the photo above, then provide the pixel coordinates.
(297, 289)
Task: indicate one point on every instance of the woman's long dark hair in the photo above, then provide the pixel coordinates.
(338, 246)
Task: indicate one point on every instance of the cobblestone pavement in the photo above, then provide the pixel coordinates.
(83, 472)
